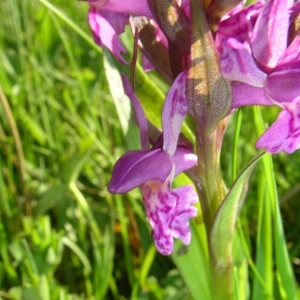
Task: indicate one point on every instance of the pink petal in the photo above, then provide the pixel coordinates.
(184, 211)
(240, 25)
(295, 11)
(136, 167)
(283, 86)
(147, 65)
(283, 135)
(237, 63)
(291, 56)
(185, 6)
(104, 34)
(184, 159)
(173, 113)
(118, 21)
(135, 7)
(269, 38)
(245, 94)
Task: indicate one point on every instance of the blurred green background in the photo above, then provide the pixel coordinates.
(62, 235)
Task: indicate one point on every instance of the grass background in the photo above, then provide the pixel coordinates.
(62, 235)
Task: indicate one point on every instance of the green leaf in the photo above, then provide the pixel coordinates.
(285, 277)
(151, 97)
(222, 232)
(264, 250)
(67, 20)
(32, 126)
(121, 101)
(80, 254)
(50, 198)
(73, 165)
(193, 263)
(40, 292)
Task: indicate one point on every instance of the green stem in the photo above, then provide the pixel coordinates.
(209, 96)
(210, 175)
(208, 150)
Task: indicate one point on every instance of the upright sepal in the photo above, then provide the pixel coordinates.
(269, 44)
(174, 111)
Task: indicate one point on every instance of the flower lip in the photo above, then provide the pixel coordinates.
(169, 212)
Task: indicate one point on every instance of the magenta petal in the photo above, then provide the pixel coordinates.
(104, 34)
(147, 65)
(237, 63)
(184, 159)
(269, 38)
(245, 94)
(139, 113)
(118, 21)
(239, 25)
(135, 7)
(173, 113)
(184, 211)
(283, 86)
(295, 11)
(282, 135)
(291, 56)
(169, 212)
(136, 167)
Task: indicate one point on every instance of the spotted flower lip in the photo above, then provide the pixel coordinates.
(263, 67)
(169, 212)
(153, 170)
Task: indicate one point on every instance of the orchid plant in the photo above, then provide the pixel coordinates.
(217, 56)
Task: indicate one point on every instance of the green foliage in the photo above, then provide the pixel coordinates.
(62, 235)
(222, 232)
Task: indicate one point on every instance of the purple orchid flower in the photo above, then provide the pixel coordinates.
(264, 68)
(168, 210)
(107, 20)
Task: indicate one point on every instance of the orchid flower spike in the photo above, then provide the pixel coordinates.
(153, 170)
(264, 66)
